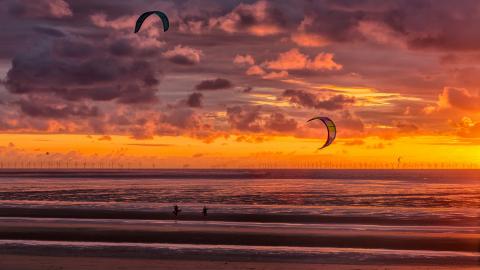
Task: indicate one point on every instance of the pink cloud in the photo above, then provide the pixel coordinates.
(256, 19)
(183, 55)
(242, 60)
(122, 23)
(41, 8)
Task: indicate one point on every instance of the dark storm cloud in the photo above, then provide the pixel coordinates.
(216, 84)
(442, 24)
(77, 69)
(335, 24)
(36, 109)
(195, 100)
(309, 100)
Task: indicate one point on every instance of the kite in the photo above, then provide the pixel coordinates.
(145, 15)
(332, 130)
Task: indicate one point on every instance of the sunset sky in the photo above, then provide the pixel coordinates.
(232, 83)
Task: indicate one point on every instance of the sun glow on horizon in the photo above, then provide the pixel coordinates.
(77, 151)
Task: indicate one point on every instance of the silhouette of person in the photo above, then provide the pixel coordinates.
(176, 210)
(205, 209)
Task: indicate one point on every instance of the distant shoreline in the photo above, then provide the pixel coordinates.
(462, 175)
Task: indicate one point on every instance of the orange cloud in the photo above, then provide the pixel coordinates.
(468, 128)
(309, 40)
(255, 70)
(295, 60)
(306, 39)
(276, 75)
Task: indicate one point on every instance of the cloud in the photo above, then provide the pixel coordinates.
(183, 118)
(105, 138)
(309, 40)
(351, 122)
(397, 23)
(247, 89)
(460, 98)
(275, 75)
(354, 142)
(406, 127)
(376, 146)
(309, 100)
(120, 23)
(49, 31)
(183, 55)
(244, 118)
(215, 84)
(467, 128)
(75, 69)
(242, 60)
(195, 100)
(39, 8)
(305, 39)
(255, 70)
(36, 109)
(150, 144)
(380, 33)
(121, 47)
(278, 122)
(295, 60)
(259, 19)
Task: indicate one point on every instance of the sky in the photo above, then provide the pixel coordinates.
(231, 84)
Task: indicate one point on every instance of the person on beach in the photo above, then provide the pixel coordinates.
(205, 209)
(176, 210)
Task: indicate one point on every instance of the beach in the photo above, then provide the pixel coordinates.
(255, 221)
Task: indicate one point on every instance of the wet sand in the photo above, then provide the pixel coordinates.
(45, 212)
(25, 262)
(117, 231)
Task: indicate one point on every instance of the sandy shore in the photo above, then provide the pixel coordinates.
(21, 262)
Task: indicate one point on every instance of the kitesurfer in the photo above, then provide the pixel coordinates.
(176, 210)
